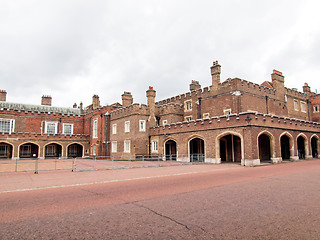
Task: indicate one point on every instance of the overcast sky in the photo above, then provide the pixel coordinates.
(72, 49)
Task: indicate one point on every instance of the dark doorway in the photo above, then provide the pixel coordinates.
(285, 147)
(301, 147)
(28, 150)
(5, 150)
(196, 149)
(230, 148)
(75, 150)
(314, 147)
(264, 147)
(53, 150)
(171, 150)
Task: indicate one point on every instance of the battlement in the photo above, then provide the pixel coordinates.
(43, 136)
(295, 93)
(170, 108)
(134, 108)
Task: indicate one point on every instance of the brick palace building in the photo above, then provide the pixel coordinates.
(230, 121)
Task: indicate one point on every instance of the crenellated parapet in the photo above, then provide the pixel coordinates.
(42, 136)
(295, 93)
(170, 108)
(133, 109)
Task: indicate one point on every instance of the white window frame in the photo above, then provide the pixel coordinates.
(127, 126)
(114, 146)
(164, 122)
(227, 112)
(55, 124)
(4, 123)
(316, 108)
(126, 146)
(187, 118)
(188, 105)
(154, 146)
(142, 125)
(114, 128)
(206, 116)
(303, 106)
(64, 128)
(295, 105)
(95, 128)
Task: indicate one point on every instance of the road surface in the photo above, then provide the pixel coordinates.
(186, 202)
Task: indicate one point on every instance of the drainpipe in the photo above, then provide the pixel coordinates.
(308, 102)
(199, 99)
(267, 104)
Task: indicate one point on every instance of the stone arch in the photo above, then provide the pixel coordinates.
(170, 149)
(29, 150)
(6, 149)
(315, 145)
(52, 150)
(196, 148)
(286, 145)
(75, 149)
(266, 145)
(302, 146)
(224, 134)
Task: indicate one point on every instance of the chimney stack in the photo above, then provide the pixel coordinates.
(127, 99)
(151, 95)
(95, 101)
(3, 95)
(46, 100)
(306, 88)
(215, 73)
(195, 85)
(278, 83)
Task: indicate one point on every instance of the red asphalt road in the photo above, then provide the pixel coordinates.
(187, 202)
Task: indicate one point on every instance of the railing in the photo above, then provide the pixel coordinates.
(98, 163)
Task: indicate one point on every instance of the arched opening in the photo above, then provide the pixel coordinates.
(314, 147)
(5, 150)
(171, 150)
(28, 150)
(301, 147)
(264, 147)
(53, 150)
(285, 147)
(196, 150)
(75, 150)
(230, 148)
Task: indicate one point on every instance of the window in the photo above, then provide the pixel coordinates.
(188, 118)
(206, 115)
(3, 151)
(285, 98)
(114, 128)
(127, 126)
(94, 150)
(227, 112)
(154, 146)
(114, 146)
(51, 127)
(51, 150)
(7, 125)
(164, 122)
(95, 128)
(295, 105)
(26, 150)
(316, 108)
(127, 146)
(67, 128)
(142, 125)
(188, 105)
(303, 107)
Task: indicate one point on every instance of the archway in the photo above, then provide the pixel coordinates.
(75, 150)
(5, 150)
(230, 148)
(285, 147)
(264, 147)
(28, 150)
(196, 150)
(53, 150)
(301, 147)
(314, 147)
(171, 150)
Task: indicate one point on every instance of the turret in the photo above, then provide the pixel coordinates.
(127, 99)
(151, 95)
(195, 85)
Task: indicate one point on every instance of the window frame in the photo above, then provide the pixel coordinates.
(127, 146)
(127, 126)
(95, 128)
(154, 146)
(114, 128)
(188, 118)
(63, 128)
(11, 125)
(188, 105)
(316, 108)
(303, 106)
(295, 105)
(226, 111)
(47, 123)
(114, 146)
(143, 129)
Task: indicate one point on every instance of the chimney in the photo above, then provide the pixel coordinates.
(126, 99)
(306, 88)
(3, 95)
(195, 85)
(151, 95)
(46, 100)
(278, 83)
(75, 105)
(215, 73)
(81, 106)
(95, 101)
